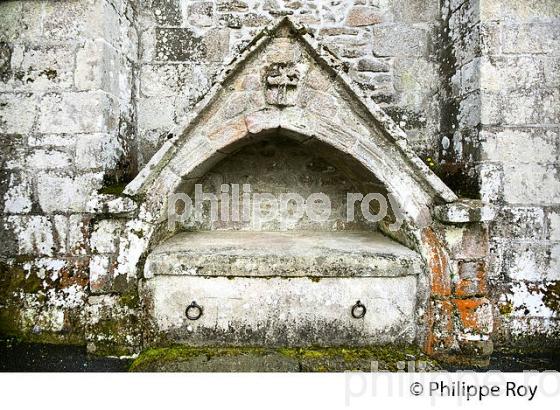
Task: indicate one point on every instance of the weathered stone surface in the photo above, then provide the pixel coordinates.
(201, 13)
(519, 223)
(518, 10)
(395, 40)
(79, 232)
(535, 261)
(97, 151)
(34, 235)
(504, 146)
(41, 69)
(104, 238)
(217, 44)
(438, 264)
(531, 38)
(526, 300)
(476, 318)
(363, 16)
(62, 192)
(441, 321)
(100, 274)
(411, 77)
(97, 67)
(5, 61)
(554, 225)
(238, 311)
(17, 114)
(167, 12)
(179, 44)
(9, 19)
(165, 80)
(111, 326)
(377, 65)
(232, 5)
(472, 279)
(531, 183)
(468, 242)
(64, 113)
(109, 204)
(90, 89)
(415, 10)
(156, 113)
(465, 211)
(18, 196)
(48, 159)
(307, 254)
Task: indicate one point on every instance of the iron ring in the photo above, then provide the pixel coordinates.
(197, 311)
(358, 310)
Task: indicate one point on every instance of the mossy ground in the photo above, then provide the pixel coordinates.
(309, 359)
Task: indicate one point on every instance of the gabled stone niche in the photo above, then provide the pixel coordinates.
(287, 96)
(285, 281)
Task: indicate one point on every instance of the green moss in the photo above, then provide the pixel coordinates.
(111, 336)
(55, 338)
(505, 308)
(551, 296)
(130, 300)
(114, 189)
(111, 350)
(11, 326)
(9, 321)
(21, 259)
(15, 278)
(185, 353)
(314, 359)
(388, 353)
(535, 345)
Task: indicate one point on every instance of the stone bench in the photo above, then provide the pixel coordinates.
(283, 288)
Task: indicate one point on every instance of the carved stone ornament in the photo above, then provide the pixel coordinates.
(281, 81)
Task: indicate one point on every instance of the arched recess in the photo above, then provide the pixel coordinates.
(284, 82)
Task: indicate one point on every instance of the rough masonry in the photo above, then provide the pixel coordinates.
(91, 90)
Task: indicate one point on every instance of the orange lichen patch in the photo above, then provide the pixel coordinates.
(472, 279)
(475, 314)
(440, 323)
(438, 262)
(77, 273)
(429, 343)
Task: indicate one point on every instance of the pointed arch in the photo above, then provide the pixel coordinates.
(284, 81)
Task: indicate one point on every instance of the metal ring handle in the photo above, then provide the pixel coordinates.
(358, 310)
(194, 311)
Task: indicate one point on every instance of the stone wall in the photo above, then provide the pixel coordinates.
(89, 89)
(67, 118)
(519, 86)
(389, 46)
(462, 37)
(501, 140)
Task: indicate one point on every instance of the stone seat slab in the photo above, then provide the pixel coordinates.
(288, 254)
